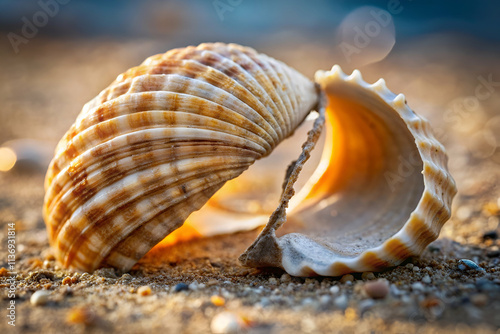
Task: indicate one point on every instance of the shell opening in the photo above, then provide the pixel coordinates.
(369, 180)
(380, 194)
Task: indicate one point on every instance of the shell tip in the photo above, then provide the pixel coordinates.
(335, 73)
(356, 77)
(399, 101)
(380, 86)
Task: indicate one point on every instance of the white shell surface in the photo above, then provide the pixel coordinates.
(158, 142)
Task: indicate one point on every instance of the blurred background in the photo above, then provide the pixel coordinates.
(56, 55)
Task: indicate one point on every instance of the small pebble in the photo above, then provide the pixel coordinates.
(417, 286)
(493, 253)
(217, 300)
(426, 279)
(273, 281)
(347, 278)
(409, 265)
(341, 302)
(225, 323)
(212, 282)
(67, 281)
(144, 290)
(465, 264)
(193, 286)
(377, 289)
(285, 278)
(106, 272)
(181, 287)
(365, 305)
(491, 209)
(80, 315)
(490, 235)
(4, 272)
(325, 300)
(40, 297)
(334, 289)
(367, 275)
(416, 269)
(463, 213)
(126, 277)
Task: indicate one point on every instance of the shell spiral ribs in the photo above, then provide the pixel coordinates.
(158, 142)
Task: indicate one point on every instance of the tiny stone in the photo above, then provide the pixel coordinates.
(409, 265)
(367, 275)
(347, 278)
(365, 305)
(463, 213)
(80, 315)
(325, 300)
(479, 299)
(465, 264)
(217, 300)
(417, 286)
(334, 289)
(126, 277)
(310, 281)
(341, 302)
(426, 279)
(490, 235)
(285, 278)
(225, 323)
(105, 272)
(212, 282)
(493, 253)
(67, 281)
(377, 289)
(181, 287)
(273, 280)
(40, 297)
(395, 291)
(416, 269)
(144, 290)
(193, 286)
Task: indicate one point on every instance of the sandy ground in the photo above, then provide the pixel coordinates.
(44, 88)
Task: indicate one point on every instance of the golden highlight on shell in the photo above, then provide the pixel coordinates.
(156, 145)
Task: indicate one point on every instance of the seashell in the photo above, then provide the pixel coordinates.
(380, 194)
(156, 145)
(158, 142)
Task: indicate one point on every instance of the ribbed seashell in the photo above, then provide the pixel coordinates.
(380, 194)
(155, 145)
(158, 142)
